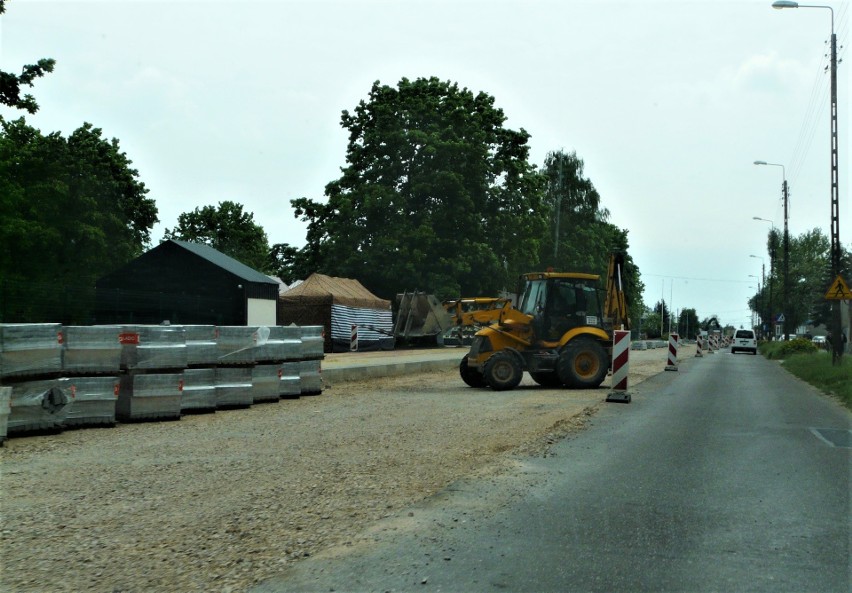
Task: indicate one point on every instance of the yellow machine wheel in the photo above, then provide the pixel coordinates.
(503, 371)
(470, 376)
(582, 364)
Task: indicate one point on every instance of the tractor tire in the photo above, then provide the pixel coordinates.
(471, 377)
(503, 371)
(582, 364)
(546, 379)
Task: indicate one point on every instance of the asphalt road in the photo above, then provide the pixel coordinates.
(728, 475)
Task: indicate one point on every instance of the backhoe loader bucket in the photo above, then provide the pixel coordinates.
(420, 316)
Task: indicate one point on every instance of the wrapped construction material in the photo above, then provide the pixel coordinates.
(39, 405)
(201, 346)
(289, 385)
(94, 401)
(309, 377)
(5, 408)
(237, 344)
(312, 342)
(91, 349)
(154, 396)
(199, 390)
(264, 382)
(233, 387)
(30, 349)
(152, 347)
(284, 343)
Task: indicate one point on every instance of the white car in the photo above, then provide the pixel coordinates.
(744, 340)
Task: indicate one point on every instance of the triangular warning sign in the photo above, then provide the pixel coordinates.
(839, 290)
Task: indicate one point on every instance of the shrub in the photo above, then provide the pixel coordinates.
(797, 346)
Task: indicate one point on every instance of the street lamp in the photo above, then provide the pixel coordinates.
(785, 285)
(837, 346)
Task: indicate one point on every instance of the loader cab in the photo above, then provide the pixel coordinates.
(559, 302)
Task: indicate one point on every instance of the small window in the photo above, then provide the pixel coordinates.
(745, 333)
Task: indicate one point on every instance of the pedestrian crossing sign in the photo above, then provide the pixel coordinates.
(839, 290)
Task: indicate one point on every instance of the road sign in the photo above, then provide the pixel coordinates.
(780, 318)
(839, 290)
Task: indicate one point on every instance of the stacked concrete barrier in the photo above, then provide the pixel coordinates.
(30, 349)
(271, 379)
(30, 364)
(38, 405)
(310, 364)
(199, 390)
(76, 376)
(93, 401)
(153, 358)
(5, 410)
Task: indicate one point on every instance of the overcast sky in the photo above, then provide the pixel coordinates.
(669, 103)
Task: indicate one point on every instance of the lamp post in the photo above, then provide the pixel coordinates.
(837, 342)
(785, 284)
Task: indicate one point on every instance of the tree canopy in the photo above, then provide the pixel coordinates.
(436, 195)
(10, 84)
(809, 278)
(581, 238)
(71, 210)
(228, 229)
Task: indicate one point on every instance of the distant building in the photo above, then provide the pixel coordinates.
(186, 283)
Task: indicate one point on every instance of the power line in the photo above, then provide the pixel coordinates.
(696, 279)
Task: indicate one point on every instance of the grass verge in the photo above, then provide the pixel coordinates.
(816, 368)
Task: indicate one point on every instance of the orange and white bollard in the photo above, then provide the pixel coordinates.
(673, 340)
(353, 340)
(620, 367)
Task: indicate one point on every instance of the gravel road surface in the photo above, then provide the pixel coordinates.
(219, 502)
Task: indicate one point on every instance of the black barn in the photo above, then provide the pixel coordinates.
(186, 283)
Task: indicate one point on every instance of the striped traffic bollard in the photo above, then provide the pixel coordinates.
(353, 340)
(620, 367)
(698, 346)
(672, 365)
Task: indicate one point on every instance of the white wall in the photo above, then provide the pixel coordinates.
(261, 312)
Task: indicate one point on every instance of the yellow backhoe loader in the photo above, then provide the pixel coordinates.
(560, 332)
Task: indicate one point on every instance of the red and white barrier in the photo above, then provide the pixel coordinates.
(620, 367)
(673, 342)
(699, 343)
(353, 340)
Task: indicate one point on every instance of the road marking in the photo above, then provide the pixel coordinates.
(834, 437)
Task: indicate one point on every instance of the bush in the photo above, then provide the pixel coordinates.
(797, 346)
(780, 349)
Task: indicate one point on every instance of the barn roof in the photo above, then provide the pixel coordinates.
(225, 262)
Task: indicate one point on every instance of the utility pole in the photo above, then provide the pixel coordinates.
(836, 331)
(786, 292)
(558, 210)
(836, 337)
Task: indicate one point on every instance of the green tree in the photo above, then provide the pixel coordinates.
(437, 195)
(228, 229)
(809, 277)
(71, 210)
(578, 240)
(10, 84)
(581, 239)
(687, 324)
